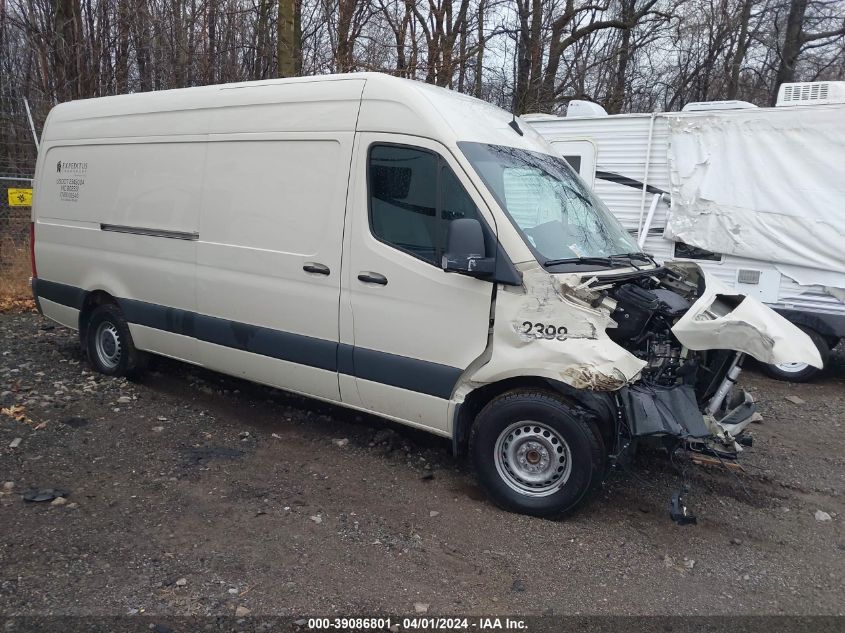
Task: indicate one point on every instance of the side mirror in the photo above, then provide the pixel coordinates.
(466, 251)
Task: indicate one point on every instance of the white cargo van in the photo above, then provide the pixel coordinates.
(394, 248)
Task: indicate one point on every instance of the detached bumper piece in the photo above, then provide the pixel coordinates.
(663, 411)
(714, 425)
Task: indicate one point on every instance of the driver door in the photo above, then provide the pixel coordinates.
(408, 329)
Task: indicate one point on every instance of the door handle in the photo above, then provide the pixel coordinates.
(372, 278)
(315, 267)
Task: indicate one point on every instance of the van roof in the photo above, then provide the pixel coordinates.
(372, 102)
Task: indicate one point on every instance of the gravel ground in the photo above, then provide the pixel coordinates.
(194, 493)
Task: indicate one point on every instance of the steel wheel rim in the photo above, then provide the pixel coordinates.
(532, 458)
(792, 368)
(107, 345)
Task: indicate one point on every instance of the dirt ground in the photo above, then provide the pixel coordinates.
(193, 493)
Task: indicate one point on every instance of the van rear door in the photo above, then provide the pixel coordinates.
(408, 329)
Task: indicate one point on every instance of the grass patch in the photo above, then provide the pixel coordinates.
(15, 293)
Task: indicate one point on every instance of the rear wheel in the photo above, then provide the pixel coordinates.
(801, 372)
(109, 344)
(537, 454)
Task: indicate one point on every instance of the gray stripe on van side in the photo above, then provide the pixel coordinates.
(412, 374)
(406, 373)
(70, 296)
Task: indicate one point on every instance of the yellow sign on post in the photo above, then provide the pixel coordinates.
(20, 197)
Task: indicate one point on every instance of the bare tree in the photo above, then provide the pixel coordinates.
(290, 38)
(803, 18)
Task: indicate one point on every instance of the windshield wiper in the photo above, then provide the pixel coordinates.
(602, 261)
(610, 260)
(643, 257)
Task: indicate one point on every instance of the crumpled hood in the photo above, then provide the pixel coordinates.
(724, 319)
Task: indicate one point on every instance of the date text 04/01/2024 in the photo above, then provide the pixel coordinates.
(416, 623)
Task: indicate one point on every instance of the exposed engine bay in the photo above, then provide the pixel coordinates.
(681, 392)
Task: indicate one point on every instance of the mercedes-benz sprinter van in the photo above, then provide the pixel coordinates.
(395, 248)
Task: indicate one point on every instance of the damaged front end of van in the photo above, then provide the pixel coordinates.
(651, 350)
(660, 348)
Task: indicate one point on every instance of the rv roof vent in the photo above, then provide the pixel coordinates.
(577, 109)
(698, 106)
(811, 93)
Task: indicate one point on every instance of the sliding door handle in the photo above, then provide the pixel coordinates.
(315, 267)
(372, 278)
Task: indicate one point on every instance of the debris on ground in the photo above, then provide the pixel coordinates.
(75, 422)
(822, 516)
(16, 412)
(795, 399)
(44, 494)
(383, 435)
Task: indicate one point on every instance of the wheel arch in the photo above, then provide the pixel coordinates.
(601, 404)
(91, 301)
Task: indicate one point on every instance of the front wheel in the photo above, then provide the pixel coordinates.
(535, 453)
(800, 372)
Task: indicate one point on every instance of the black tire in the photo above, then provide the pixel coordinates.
(123, 359)
(801, 374)
(510, 414)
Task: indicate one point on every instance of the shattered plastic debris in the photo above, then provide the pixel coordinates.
(44, 494)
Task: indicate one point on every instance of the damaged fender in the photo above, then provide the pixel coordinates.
(543, 330)
(724, 319)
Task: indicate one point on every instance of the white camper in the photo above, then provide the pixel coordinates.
(755, 196)
(394, 248)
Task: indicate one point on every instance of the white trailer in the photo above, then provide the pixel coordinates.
(756, 196)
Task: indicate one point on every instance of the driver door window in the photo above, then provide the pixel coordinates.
(414, 196)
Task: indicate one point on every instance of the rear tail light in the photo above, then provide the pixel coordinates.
(32, 248)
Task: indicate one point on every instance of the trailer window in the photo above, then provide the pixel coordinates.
(687, 251)
(414, 195)
(574, 162)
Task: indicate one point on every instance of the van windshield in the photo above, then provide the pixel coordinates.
(556, 213)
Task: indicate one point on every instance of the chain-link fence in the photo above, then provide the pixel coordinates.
(15, 211)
